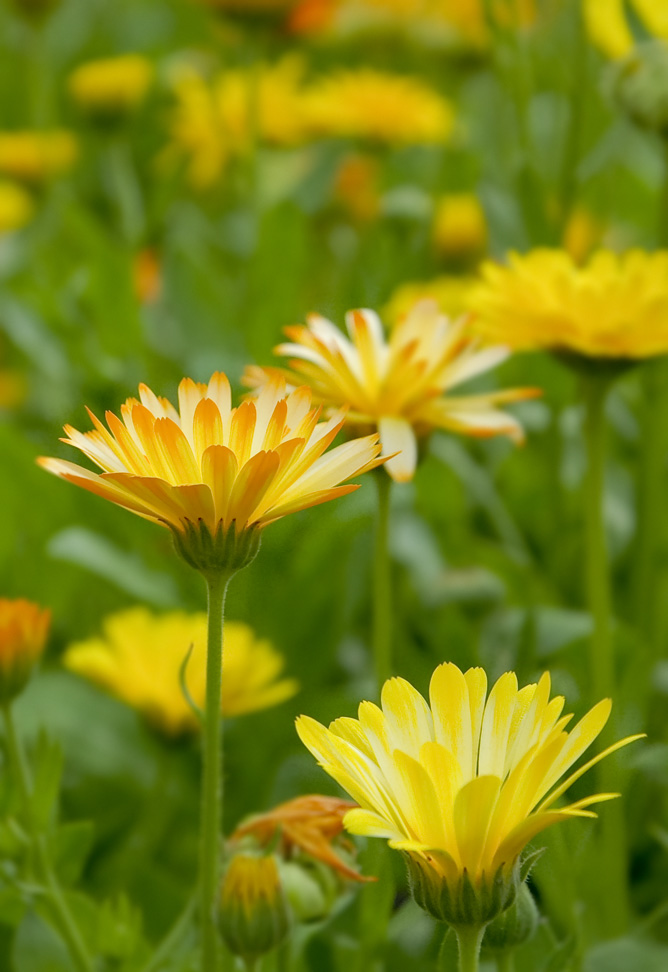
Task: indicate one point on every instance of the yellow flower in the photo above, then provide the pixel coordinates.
(463, 784)
(398, 384)
(254, 913)
(23, 630)
(615, 306)
(375, 105)
(582, 234)
(16, 206)
(610, 30)
(459, 229)
(36, 156)
(214, 121)
(451, 294)
(307, 823)
(213, 472)
(111, 85)
(139, 656)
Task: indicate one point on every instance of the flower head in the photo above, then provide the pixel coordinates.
(111, 85)
(459, 230)
(23, 630)
(212, 473)
(254, 914)
(380, 107)
(309, 824)
(16, 206)
(464, 783)
(397, 384)
(610, 30)
(140, 655)
(36, 156)
(614, 306)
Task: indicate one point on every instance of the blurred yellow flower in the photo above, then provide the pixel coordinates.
(139, 656)
(307, 823)
(16, 206)
(251, 7)
(213, 472)
(459, 230)
(111, 85)
(23, 630)
(609, 27)
(399, 384)
(214, 121)
(450, 293)
(32, 156)
(614, 306)
(463, 783)
(583, 233)
(376, 105)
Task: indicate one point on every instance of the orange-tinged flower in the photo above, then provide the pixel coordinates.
(214, 468)
(399, 384)
(139, 657)
(307, 823)
(147, 276)
(23, 630)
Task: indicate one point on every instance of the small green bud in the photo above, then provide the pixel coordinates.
(640, 86)
(254, 913)
(514, 926)
(311, 889)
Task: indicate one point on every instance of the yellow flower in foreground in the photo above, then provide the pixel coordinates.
(450, 293)
(610, 30)
(16, 206)
(399, 384)
(139, 656)
(212, 472)
(615, 306)
(111, 85)
(463, 784)
(36, 156)
(23, 630)
(375, 105)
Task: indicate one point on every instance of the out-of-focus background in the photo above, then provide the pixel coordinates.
(168, 214)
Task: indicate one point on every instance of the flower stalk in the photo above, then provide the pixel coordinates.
(469, 941)
(66, 924)
(212, 775)
(382, 584)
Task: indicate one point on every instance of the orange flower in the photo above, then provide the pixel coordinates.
(23, 631)
(307, 823)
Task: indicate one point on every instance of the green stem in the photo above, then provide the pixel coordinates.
(505, 962)
(212, 776)
(613, 905)
(165, 950)
(382, 584)
(66, 923)
(469, 940)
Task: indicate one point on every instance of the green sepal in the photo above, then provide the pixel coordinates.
(462, 901)
(224, 551)
(514, 926)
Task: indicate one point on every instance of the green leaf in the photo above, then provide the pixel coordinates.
(47, 774)
(626, 954)
(70, 846)
(37, 948)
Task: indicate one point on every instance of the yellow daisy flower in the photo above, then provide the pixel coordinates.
(399, 384)
(36, 156)
(614, 306)
(382, 107)
(610, 30)
(23, 630)
(139, 656)
(461, 784)
(111, 85)
(214, 472)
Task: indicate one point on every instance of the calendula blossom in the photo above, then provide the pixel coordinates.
(463, 783)
(609, 26)
(614, 306)
(309, 824)
(23, 630)
(398, 384)
(111, 85)
(139, 656)
(210, 470)
(36, 156)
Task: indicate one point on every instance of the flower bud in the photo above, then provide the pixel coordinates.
(514, 926)
(311, 889)
(23, 630)
(254, 914)
(640, 86)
